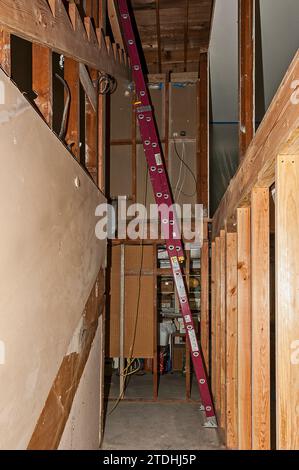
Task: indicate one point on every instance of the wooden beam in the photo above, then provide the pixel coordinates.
(218, 328)
(167, 116)
(47, 23)
(277, 134)
(159, 50)
(213, 320)
(186, 34)
(246, 74)
(244, 330)
(231, 341)
(134, 150)
(287, 302)
(103, 122)
(5, 51)
(91, 126)
(203, 135)
(71, 75)
(42, 80)
(204, 303)
(114, 23)
(260, 299)
(223, 329)
(88, 85)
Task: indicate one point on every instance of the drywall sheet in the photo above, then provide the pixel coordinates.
(121, 170)
(145, 193)
(82, 430)
(183, 109)
(121, 112)
(139, 302)
(182, 171)
(49, 256)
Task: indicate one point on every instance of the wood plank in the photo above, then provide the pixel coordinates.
(42, 80)
(51, 27)
(213, 319)
(203, 132)
(114, 23)
(218, 327)
(277, 134)
(186, 35)
(188, 352)
(244, 329)
(134, 151)
(156, 359)
(88, 86)
(71, 75)
(91, 131)
(260, 295)
(159, 48)
(167, 116)
(103, 144)
(204, 303)
(231, 341)
(246, 74)
(5, 51)
(222, 329)
(287, 302)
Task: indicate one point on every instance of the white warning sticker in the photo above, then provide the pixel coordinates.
(187, 319)
(158, 159)
(193, 340)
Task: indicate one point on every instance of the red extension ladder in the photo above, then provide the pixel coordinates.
(163, 197)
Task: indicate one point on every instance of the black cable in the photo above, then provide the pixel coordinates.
(188, 168)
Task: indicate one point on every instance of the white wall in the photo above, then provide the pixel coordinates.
(82, 430)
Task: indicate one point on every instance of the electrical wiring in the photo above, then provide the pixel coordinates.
(107, 84)
(188, 168)
(127, 374)
(176, 198)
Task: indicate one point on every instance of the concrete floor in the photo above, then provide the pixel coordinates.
(157, 426)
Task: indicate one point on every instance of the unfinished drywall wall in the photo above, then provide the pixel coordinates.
(82, 431)
(128, 176)
(50, 259)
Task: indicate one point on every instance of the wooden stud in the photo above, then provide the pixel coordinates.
(222, 328)
(134, 151)
(188, 352)
(260, 289)
(186, 35)
(204, 303)
(159, 36)
(156, 359)
(91, 129)
(231, 342)
(5, 51)
(218, 327)
(71, 75)
(42, 80)
(244, 329)
(287, 302)
(166, 114)
(246, 77)
(114, 23)
(213, 319)
(102, 112)
(202, 142)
